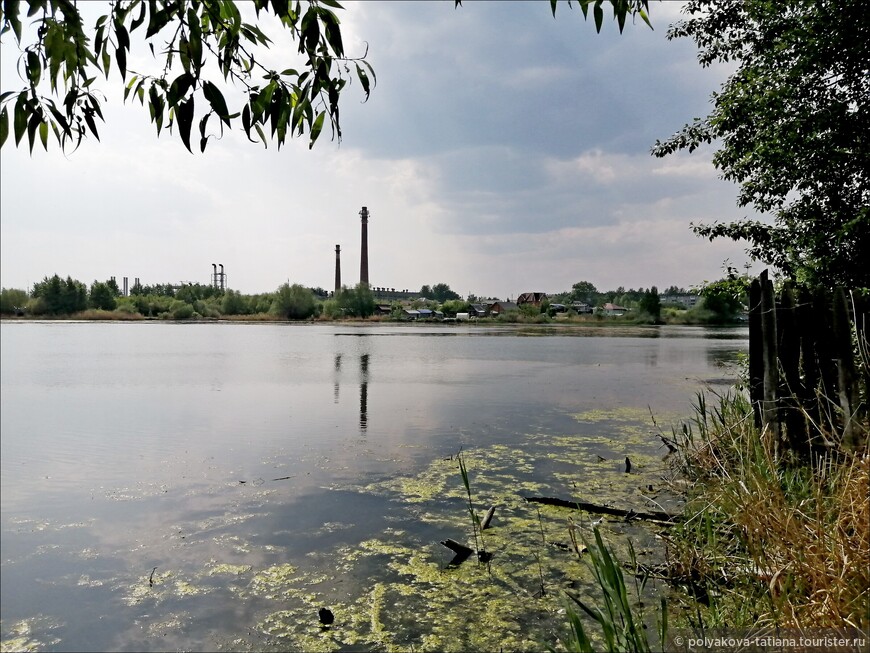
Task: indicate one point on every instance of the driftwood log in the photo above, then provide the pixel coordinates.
(628, 515)
(462, 552)
(487, 518)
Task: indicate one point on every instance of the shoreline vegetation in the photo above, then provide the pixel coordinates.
(721, 302)
(267, 318)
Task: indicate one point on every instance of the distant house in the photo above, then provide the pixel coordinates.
(582, 308)
(383, 309)
(425, 313)
(410, 313)
(478, 310)
(502, 307)
(613, 309)
(536, 298)
(558, 308)
(687, 300)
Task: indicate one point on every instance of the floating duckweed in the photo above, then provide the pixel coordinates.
(624, 414)
(85, 581)
(147, 588)
(215, 568)
(25, 639)
(274, 580)
(332, 527)
(183, 588)
(299, 630)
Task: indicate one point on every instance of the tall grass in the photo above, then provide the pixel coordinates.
(621, 623)
(765, 541)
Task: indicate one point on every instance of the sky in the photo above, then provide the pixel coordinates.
(502, 151)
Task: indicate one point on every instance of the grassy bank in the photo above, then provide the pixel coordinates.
(767, 541)
(764, 544)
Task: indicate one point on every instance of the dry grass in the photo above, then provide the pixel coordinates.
(767, 542)
(99, 314)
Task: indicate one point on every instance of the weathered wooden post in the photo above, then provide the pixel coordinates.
(789, 358)
(756, 351)
(827, 389)
(769, 411)
(807, 320)
(847, 377)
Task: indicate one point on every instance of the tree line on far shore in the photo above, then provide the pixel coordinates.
(719, 302)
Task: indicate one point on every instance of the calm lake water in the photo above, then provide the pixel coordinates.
(267, 470)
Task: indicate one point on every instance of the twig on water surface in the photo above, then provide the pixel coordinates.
(151, 578)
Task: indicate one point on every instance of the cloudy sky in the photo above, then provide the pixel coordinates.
(502, 151)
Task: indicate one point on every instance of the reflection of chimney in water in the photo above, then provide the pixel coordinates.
(363, 392)
(335, 384)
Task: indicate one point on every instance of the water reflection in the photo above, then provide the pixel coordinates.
(363, 392)
(335, 381)
(363, 386)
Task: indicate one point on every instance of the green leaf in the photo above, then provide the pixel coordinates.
(34, 68)
(89, 118)
(645, 17)
(203, 123)
(4, 126)
(216, 100)
(10, 13)
(364, 80)
(59, 117)
(553, 7)
(262, 135)
(185, 122)
(121, 36)
(20, 121)
(179, 88)
(43, 134)
(158, 19)
(32, 126)
(184, 53)
(140, 19)
(35, 7)
(598, 13)
(121, 58)
(333, 31)
(246, 121)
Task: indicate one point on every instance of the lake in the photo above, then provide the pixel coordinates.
(211, 486)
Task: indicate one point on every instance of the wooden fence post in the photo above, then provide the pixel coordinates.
(756, 351)
(770, 359)
(789, 357)
(847, 377)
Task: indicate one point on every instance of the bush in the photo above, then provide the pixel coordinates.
(11, 300)
(180, 310)
(294, 302)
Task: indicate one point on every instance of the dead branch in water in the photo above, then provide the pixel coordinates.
(628, 515)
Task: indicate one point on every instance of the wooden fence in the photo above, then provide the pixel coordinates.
(809, 365)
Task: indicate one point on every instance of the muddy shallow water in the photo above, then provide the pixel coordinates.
(210, 486)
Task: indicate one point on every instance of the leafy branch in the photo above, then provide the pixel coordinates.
(296, 101)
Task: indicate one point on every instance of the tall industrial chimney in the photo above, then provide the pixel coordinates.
(337, 268)
(364, 257)
(223, 277)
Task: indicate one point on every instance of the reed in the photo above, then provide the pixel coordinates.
(479, 544)
(621, 622)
